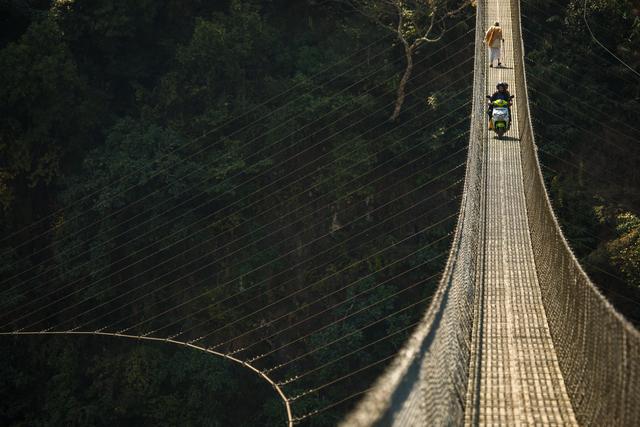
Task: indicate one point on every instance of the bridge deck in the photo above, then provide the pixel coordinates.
(514, 375)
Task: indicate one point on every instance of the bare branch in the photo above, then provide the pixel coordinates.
(407, 19)
(442, 22)
(400, 33)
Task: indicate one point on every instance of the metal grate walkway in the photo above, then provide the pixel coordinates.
(514, 376)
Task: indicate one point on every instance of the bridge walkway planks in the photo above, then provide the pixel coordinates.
(514, 378)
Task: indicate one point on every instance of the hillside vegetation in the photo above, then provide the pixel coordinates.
(174, 165)
(586, 112)
(272, 178)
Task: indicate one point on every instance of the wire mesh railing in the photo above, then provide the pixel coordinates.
(597, 348)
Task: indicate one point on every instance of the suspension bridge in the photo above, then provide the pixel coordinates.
(518, 334)
(515, 332)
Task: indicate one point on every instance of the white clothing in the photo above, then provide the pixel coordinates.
(494, 54)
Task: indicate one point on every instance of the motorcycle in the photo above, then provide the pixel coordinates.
(500, 118)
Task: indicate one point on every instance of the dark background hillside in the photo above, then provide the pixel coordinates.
(178, 164)
(586, 112)
(153, 151)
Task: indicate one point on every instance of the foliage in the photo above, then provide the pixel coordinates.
(625, 250)
(46, 111)
(585, 109)
(167, 165)
(102, 381)
(413, 23)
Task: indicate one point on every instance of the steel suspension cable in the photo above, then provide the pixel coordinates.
(297, 420)
(228, 122)
(355, 331)
(437, 162)
(347, 316)
(575, 109)
(325, 296)
(609, 290)
(206, 217)
(342, 378)
(253, 154)
(248, 366)
(586, 22)
(230, 281)
(308, 243)
(218, 127)
(266, 279)
(210, 215)
(297, 378)
(349, 223)
(531, 4)
(237, 294)
(116, 285)
(586, 88)
(256, 285)
(245, 302)
(261, 356)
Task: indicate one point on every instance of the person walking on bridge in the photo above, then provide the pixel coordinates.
(493, 38)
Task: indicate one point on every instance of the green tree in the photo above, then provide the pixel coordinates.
(46, 115)
(624, 251)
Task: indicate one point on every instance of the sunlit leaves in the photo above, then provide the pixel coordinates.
(625, 250)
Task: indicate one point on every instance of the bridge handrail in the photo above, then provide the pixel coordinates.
(598, 350)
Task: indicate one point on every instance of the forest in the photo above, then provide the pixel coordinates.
(586, 125)
(221, 172)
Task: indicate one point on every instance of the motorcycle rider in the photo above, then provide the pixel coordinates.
(500, 93)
